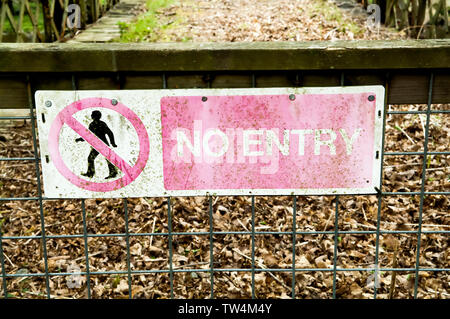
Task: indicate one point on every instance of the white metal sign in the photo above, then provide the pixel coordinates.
(143, 143)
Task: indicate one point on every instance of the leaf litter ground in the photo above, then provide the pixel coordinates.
(221, 20)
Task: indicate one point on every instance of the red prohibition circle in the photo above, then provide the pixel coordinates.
(130, 172)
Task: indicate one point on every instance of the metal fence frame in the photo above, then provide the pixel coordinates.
(253, 233)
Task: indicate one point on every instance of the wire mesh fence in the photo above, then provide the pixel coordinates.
(334, 234)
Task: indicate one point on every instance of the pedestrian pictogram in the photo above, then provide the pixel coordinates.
(101, 130)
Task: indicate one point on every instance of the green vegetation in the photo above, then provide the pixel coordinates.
(332, 13)
(2, 221)
(27, 25)
(116, 281)
(144, 28)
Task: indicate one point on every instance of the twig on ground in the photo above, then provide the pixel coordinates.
(153, 231)
(40, 294)
(438, 292)
(364, 213)
(263, 267)
(17, 179)
(143, 226)
(421, 122)
(191, 265)
(243, 226)
(9, 260)
(326, 225)
(406, 134)
(393, 273)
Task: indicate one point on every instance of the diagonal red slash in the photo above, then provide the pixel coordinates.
(98, 144)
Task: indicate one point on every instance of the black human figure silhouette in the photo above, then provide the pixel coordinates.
(101, 130)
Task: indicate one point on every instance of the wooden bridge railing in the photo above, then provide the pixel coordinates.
(189, 65)
(46, 20)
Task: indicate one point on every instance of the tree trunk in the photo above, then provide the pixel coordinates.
(382, 5)
(58, 15)
(47, 21)
(422, 11)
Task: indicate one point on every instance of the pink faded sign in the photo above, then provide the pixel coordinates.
(302, 141)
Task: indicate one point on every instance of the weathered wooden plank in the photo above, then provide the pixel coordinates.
(368, 78)
(99, 82)
(441, 88)
(231, 81)
(144, 81)
(273, 79)
(256, 56)
(180, 81)
(409, 88)
(13, 92)
(49, 81)
(321, 79)
(405, 88)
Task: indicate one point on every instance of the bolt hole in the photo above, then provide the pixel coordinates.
(204, 99)
(371, 98)
(292, 97)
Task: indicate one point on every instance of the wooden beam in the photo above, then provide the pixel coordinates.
(112, 57)
(232, 65)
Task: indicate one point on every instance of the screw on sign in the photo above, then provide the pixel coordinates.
(95, 136)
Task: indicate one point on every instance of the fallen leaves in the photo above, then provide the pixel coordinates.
(221, 20)
(266, 20)
(149, 215)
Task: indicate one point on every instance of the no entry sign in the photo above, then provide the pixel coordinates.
(276, 141)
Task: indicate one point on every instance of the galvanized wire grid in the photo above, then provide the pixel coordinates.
(171, 271)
